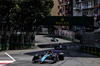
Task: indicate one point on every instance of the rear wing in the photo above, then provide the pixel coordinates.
(60, 47)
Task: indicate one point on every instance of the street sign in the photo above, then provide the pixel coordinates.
(67, 20)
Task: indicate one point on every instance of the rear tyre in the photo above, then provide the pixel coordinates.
(61, 56)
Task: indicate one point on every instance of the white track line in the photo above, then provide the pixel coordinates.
(6, 62)
(10, 56)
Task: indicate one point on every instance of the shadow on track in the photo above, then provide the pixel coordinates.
(71, 51)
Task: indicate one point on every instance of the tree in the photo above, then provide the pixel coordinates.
(26, 12)
(5, 9)
(22, 14)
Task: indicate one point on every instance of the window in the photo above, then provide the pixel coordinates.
(89, 4)
(63, 14)
(58, 6)
(60, 10)
(84, 13)
(59, 1)
(63, 8)
(58, 13)
(62, 1)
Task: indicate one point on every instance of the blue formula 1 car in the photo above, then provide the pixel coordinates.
(48, 57)
(54, 40)
(60, 47)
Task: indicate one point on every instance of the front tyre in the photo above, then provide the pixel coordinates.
(33, 60)
(57, 40)
(55, 59)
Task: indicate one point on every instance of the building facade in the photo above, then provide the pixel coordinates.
(97, 13)
(62, 8)
(83, 7)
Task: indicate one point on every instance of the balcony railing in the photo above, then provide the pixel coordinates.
(87, 7)
(64, 3)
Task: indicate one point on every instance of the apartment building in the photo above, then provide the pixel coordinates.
(97, 13)
(62, 8)
(83, 7)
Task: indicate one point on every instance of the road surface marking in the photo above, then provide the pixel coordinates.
(10, 56)
(6, 62)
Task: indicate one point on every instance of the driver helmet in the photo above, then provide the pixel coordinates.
(50, 52)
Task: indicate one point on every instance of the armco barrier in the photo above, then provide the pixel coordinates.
(81, 48)
(17, 45)
(32, 44)
(25, 45)
(95, 51)
(7, 46)
(85, 48)
(3, 46)
(90, 49)
(98, 51)
(0, 47)
(21, 45)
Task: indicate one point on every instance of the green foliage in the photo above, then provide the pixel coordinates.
(24, 12)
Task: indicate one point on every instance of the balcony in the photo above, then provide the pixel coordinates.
(60, 11)
(78, 1)
(87, 7)
(75, 8)
(96, 6)
(64, 3)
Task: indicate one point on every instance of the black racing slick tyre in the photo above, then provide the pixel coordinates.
(57, 40)
(35, 58)
(54, 59)
(61, 56)
(52, 40)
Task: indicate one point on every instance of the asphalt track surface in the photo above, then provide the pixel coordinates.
(73, 56)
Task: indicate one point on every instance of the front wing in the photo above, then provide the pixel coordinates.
(39, 60)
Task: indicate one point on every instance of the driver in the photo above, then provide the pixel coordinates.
(60, 45)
